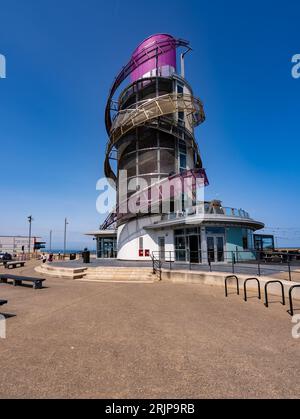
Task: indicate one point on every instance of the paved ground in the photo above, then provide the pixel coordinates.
(78, 340)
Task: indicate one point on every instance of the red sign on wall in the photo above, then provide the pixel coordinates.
(147, 253)
(141, 253)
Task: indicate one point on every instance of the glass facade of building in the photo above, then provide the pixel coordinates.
(107, 247)
(214, 243)
(188, 245)
(264, 242)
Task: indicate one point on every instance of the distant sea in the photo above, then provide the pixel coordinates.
(68, 251)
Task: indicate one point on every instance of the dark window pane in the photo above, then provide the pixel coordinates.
(128, 162)
(182, 147)
(148, 162)
(183, 162)
(131, 147)
(215, 230)
(192, 231)
(148, 92)
(167, 161)
(179, 88)
(245, 243)
(165, 86)
(179, 232)
(181, 116)
(167, 141)
(180, 243)
(180, 255)
(147, 139)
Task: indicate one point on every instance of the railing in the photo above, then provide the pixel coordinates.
(291, 290)
(157, 266)
(253, 262)
(206, 209)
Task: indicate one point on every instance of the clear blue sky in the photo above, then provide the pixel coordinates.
(61, 59)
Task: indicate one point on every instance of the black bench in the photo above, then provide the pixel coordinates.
(2, 302)
(18, 280)
(14, 264)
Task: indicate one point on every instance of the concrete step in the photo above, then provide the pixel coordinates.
(126, 276)
(117, 281)
(120, 275)
(120, 270)
(108, 274)
(111, 276)
(60, 272)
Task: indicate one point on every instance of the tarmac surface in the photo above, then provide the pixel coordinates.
(161, 340)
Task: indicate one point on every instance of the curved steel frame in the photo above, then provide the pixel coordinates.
(163, 124)
(266, 292)
(146, 111)
(237, 284)
(149, 52)
(291, 299)
(116, 216)
(245, 288)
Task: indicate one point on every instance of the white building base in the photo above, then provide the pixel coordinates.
(135, 243)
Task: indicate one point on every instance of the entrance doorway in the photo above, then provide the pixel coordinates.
(106, 247)
(194, 249)
(215, 248)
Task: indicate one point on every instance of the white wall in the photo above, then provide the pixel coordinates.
(130, 233)
(14, 244)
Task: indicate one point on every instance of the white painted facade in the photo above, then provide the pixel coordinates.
(133, 238)
(16, 244)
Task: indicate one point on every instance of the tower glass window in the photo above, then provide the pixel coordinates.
(182, 156)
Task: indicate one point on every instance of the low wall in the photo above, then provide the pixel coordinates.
(218, 279)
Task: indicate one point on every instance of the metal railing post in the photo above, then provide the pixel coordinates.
(160, 270)
(209, 263)
(237, 255)
(289, 267)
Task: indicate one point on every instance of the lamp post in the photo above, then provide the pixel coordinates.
(65, 236)
(50, 242)
(30, 219)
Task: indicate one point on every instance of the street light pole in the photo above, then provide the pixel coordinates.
(30, 219)
(65, 236)
(50, 242)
